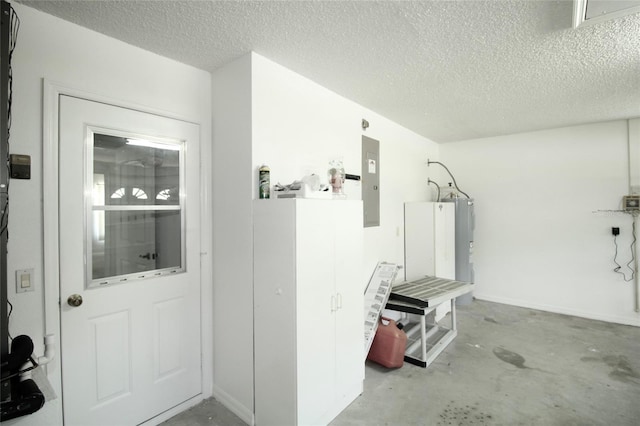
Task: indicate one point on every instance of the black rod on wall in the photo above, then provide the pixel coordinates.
(5, 28)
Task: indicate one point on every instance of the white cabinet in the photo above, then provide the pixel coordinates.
(429, 243)
(308, 309)
(429, 233)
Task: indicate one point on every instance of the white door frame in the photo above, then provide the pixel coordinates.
(51, 269)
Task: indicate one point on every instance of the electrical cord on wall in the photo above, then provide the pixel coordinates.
(8, 318)
(618, 268)
(429, 181)
(13, 37)
(14, 26)
(455, 184)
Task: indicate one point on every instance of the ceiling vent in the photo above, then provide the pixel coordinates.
(587, 12)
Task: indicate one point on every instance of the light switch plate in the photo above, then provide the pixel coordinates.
(24, 280)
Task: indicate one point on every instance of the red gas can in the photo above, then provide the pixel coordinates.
(388, 345)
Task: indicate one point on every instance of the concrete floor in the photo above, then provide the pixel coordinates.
(508, 366)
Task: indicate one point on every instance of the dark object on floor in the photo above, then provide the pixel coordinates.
(26, 397)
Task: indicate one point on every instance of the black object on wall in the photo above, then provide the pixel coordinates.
(5, 31)
(20, 394)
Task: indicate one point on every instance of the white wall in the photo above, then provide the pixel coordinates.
(233, 238)
(295, 126)
(298, 126)
(84, 60)
(539, 240)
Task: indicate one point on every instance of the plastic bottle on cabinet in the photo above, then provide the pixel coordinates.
(264, 182)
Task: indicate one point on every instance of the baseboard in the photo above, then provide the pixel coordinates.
(559, 310)
(245, 414)
(173, 411)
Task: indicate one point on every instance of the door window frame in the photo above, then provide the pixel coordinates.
(89, 208)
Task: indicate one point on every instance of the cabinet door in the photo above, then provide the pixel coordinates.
(429, 240)
(315, 309)
(444, 230)
(349, 328)
(275, 312)
(419, 241)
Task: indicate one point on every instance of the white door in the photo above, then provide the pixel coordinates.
(129, 263)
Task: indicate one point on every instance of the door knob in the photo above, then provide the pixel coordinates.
(74, 300)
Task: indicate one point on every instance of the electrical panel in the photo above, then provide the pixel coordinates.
(370, 181)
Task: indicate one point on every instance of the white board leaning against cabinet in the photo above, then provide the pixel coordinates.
(308, 309)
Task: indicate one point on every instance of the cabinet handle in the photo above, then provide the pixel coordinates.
(339, 299)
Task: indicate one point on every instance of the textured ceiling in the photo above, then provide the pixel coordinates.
(448, 70)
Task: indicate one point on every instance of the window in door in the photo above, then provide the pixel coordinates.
(135, 211)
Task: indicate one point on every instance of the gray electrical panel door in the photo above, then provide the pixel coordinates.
(371, 181)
